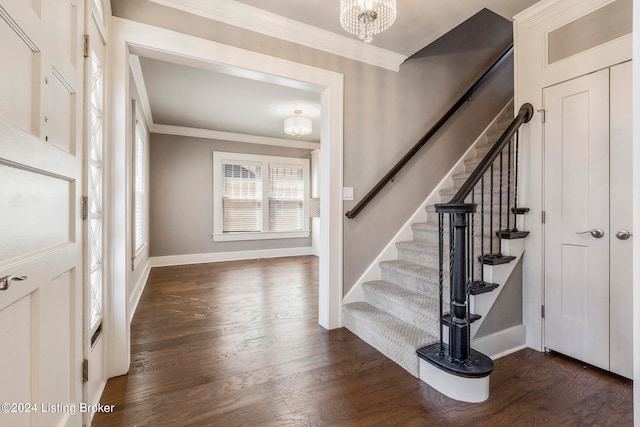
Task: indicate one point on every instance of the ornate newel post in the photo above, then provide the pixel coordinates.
(457, 358)
(459, 332)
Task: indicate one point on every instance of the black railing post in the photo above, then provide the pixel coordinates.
(459, 333)
(459, 327)
(441, 274)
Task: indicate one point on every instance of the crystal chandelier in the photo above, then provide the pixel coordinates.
(297, 125)
(365, 18)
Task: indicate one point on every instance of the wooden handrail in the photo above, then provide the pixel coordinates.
(436, 127)
(524, 115)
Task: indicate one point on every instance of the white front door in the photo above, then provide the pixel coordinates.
(576, 203)
(587, 182)
(40, 215)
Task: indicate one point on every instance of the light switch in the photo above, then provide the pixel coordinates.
(347, 193)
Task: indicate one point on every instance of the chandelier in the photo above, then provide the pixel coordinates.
(297, 125)
(365, 18)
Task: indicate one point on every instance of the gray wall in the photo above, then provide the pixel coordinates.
(385, 112)
(181, 195)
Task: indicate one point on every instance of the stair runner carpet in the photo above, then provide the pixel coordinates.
(399, 313)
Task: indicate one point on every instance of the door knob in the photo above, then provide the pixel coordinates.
(5, 282)
(623, 234)
(596, 232)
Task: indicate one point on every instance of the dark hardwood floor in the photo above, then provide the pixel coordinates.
(238, 344)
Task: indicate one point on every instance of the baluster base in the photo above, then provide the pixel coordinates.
(477, 366)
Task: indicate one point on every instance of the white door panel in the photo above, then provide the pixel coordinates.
(19, 98)
(40, 225)
(621, 281)
(577, 200)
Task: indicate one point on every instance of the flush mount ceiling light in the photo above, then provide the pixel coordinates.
(365, 18)
(297, 125)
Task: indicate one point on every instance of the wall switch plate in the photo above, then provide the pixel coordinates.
(347, 193)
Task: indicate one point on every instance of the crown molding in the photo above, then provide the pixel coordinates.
(267, 23)
(230, 136)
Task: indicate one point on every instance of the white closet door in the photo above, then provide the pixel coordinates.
(576, 188)
(621, 281)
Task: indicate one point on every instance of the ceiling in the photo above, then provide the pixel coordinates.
(186, 97)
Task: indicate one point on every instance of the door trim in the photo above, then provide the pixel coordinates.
(133, 37)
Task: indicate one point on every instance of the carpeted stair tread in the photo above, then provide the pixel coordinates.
(411, 307)
(448, 193)
(418, 252)
(412, 276)
(391, 336)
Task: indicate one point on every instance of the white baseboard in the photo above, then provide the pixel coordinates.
(165, 261)
(502, 343)
(97, 398)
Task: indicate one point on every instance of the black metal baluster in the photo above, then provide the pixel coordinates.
(471, 256)
(441, 275)
(508, 184)
(491, 212)
(471, 239)
(482, 227)
(452, 256)
(500, 209)
(515, 189)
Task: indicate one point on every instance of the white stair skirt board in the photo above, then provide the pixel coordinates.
(472, 390)
(501, 343)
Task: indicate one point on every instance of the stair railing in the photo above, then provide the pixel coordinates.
(465, 271)
(389, 176)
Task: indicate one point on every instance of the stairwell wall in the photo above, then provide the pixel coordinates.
(385, 112)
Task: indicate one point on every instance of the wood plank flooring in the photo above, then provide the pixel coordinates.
(238, 344)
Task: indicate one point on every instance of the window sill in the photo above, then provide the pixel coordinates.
(232, 237)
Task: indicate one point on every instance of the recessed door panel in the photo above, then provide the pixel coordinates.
(37, 212)
(19, 80)
(17, 355)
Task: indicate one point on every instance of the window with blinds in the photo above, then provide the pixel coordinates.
(139, 188)
(260, 197)
(286, 198)
(241, 197)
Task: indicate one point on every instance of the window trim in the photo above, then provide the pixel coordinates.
(218, 235)
(140, 131)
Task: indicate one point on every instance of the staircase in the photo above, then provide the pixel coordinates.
(400, 312)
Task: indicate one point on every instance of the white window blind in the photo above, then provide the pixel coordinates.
(139, 188)
(286, 198)
(241, 197)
